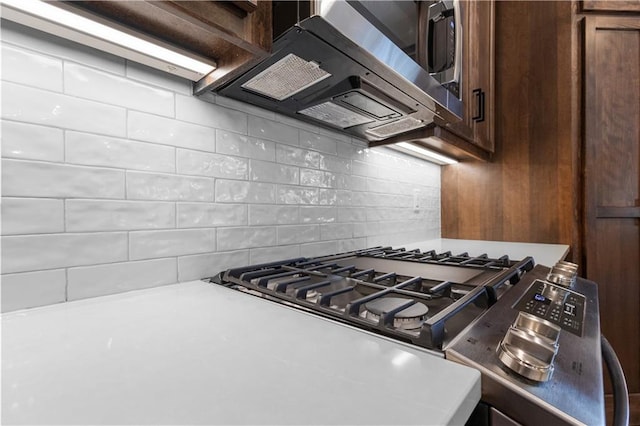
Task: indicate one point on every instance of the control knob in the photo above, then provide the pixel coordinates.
(529, 347)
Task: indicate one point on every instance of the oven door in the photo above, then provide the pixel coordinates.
(439, 41)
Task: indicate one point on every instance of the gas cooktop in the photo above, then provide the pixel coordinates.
(424, 298)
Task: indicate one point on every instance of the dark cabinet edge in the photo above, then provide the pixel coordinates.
(440, 140)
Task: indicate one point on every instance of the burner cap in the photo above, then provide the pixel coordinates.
(407, 319)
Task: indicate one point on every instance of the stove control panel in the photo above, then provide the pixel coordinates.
(555, 304)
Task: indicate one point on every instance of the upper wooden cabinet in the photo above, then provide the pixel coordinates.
(236, 34)
(611, 6)
(477, 88)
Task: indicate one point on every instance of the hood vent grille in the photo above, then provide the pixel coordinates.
(285, 78)
(336, 115)
(395, 127)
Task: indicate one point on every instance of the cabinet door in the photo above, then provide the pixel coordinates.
(612, 181)
(477, 88)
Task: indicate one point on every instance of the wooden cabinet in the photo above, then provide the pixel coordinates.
(611, 6)
(477, 88)
(612, 183)
(236, 34)
(526, 192)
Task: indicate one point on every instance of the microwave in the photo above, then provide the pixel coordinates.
(429, 32)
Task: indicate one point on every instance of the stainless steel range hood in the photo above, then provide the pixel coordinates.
(337, 70)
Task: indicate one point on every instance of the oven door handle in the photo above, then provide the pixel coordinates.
(620, 391)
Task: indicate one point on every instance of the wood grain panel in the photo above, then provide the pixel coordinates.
(634, 409)
(525, 193)
(612, 180)
(611, 5)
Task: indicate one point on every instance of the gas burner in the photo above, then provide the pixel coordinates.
(312, 296)
(409, 318)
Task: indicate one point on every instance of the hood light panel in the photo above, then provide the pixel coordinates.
(424, 153)
(63, 23)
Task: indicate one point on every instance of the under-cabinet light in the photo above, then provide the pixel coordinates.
(63, 23)
(418, 151)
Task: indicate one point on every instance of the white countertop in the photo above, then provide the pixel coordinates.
(543, 254)
(196, 353)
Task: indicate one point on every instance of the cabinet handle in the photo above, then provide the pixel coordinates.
(479, 117)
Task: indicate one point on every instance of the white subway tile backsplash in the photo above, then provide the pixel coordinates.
(202, 215)
(96, 150)
(22, 103)
(356, 150)
(327, 197)
(195, 110)
(170, 243)
(152, 128)
(244, 146)
(297, 195)
(298, 156)
(336, 231)
(335, 164)
(37, 179)
(165, 187)
(201, 266)
(318, 249)
(31, 289)
(360, 229)
(50, 251)
(267, 129)
(273, 214)
(115, 178)
(213, 165)
(32, 39)
(352, 214)
(99, 280)
(32, 216)
(374, 215)
(318, 142)
(343, 197)
(296, 234)
(27, 67)
(265, 171)
(235, 191)
(271, 254)
(317, 178)
(361, 168)
(246, 237)
(352, 244)
(359, 199)
(241, 106)
(108, 88)
(318, 214)
(105, 215)
(388, 187)
(357, 183)
(31, 142)
(158, 78)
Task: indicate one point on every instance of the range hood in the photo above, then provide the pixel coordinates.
(337, 70)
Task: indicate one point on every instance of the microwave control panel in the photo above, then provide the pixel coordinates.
(556, 304)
